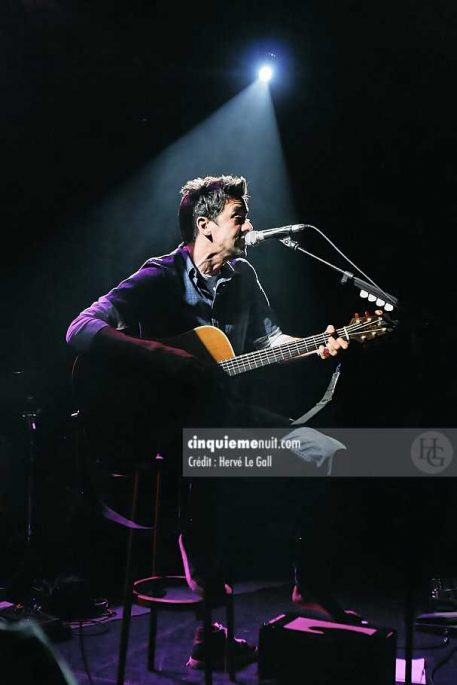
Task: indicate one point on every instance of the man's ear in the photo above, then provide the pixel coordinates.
(203, 227)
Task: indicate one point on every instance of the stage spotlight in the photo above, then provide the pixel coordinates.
(265, 73)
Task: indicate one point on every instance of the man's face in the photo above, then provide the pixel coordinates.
(229, 229)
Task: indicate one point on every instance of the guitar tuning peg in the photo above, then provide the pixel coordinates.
(367, 314)
(356, 315)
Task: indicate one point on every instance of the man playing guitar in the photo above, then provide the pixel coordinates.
(205, 281)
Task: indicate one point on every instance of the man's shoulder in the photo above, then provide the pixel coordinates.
(167, 262)
(242, 266)
(164, 267)
(154, 272)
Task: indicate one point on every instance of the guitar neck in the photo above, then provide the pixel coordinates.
(273, 355)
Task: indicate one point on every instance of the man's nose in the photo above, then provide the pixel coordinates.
(247, 226)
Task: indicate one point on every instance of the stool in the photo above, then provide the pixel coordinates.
(165, 592)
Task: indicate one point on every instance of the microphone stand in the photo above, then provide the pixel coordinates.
(25, 580)
(23, 600)
(382, 299)
(30, 416)
(372, 292)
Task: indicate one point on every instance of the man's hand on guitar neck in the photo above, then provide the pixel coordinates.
(333, 344)
(330, 350)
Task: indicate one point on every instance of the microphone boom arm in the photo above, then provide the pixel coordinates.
(367, 289)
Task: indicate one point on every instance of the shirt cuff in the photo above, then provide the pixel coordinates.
(269, 340)
(82, 332)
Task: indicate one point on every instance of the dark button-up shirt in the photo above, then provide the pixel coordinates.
(168, 296)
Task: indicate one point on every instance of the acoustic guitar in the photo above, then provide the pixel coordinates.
(130, 415)
(126, 395)
(210, 343)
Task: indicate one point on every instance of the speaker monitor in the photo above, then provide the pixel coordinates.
(296, 650)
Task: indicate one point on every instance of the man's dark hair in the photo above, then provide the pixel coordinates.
(207, 197)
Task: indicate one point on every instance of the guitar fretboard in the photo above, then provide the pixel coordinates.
(273, 355)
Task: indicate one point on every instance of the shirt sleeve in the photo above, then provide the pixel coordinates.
(122, 308)
(90, 321)
(263, 329)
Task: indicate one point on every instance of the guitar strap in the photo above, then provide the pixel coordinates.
(328, 394)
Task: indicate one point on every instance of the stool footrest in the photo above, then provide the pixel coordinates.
(166, 592)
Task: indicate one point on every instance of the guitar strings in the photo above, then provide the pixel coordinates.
(244, 360)
(252, 360)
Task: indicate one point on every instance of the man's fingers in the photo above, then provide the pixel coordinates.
(344, 344)
(333, 344)
(332, 350)
(324, 352)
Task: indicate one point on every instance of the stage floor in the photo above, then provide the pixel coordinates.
(256, 602)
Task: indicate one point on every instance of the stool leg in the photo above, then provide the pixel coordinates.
(128, 593)
(207, 625)
(152, 638)
(229, 660)
(124, 641)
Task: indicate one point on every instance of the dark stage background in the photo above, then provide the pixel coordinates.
(91, 92)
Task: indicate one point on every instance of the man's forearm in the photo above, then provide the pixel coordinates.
(142, 355)
(109, 342)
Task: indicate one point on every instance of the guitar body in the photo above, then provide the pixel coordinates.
(207, 343)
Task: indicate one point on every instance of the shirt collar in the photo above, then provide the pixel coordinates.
(195, 276)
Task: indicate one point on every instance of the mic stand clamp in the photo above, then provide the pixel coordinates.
(288, 242)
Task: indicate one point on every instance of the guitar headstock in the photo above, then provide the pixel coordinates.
(369, 326)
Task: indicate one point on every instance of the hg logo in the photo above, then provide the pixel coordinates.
(432, 452)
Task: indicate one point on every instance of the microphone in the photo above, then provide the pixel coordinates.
(256, 237)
